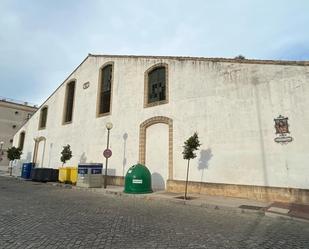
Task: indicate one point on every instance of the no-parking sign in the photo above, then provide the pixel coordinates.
(107, 153)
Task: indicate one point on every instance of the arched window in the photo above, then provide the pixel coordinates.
(21, 140)
(69, 102)
(43, 117)
(156, 85)
(105, 90)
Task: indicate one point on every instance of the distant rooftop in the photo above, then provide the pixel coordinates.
(18, 102)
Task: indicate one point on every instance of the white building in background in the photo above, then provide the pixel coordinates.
(156, 102)
(13, 114)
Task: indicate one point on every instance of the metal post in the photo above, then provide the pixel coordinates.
(185, 197)
(106, 161)
(1, 151)
(11, 165)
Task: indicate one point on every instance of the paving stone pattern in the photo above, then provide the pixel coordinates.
(34, 215)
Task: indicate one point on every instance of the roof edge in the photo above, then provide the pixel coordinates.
(18, 105)
(212, 59)
(52, 93)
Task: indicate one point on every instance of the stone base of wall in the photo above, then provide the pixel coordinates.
(242, 191)
(115, 180)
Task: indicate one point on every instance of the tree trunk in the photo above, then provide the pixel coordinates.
(10, 166)
(185, 197)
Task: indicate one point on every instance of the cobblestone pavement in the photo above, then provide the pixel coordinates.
(35, 215)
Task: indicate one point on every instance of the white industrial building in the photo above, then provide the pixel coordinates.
(252, 118)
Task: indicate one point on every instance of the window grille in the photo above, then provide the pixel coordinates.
(70, 91)
(105, 89)
(157, 85)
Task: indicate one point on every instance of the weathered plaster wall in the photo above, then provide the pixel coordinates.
(231, 105)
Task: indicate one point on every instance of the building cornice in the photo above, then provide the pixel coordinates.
(228, 60)
(13, 105)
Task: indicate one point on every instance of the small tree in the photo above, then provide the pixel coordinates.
(191, 145)
(240, 57)
(66, 154)
(13, 153)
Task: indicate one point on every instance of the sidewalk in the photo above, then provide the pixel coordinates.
(218, 202)
(3, 169)
(289, 210)
(276, 209)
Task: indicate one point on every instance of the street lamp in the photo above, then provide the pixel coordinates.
(1, 151)
(107, 152)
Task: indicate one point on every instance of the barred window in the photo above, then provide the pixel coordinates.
(157, 85)
(21, 140)
(69, 102)
(105, 89)
(43, 117)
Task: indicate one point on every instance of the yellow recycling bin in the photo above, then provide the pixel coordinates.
(73, 175)
(68, 175)
(64, 174)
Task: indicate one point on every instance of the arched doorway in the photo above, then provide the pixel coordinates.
(156, 149)
(39, 151)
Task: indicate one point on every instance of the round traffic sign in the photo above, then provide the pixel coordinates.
(107, 153)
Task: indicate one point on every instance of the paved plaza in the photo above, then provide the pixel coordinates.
(36, 215)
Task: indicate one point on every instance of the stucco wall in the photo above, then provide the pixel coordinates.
(157, 154)
(231, 105)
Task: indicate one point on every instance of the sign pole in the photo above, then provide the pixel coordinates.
(106, 161)
(107, 152)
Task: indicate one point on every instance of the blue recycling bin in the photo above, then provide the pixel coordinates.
(26, 170)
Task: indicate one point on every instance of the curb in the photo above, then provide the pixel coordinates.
(170, 200)
(148, 197)
(282, 216)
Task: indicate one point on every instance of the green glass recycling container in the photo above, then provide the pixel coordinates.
(138, 180)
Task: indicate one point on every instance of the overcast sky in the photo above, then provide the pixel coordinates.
(42, 41)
